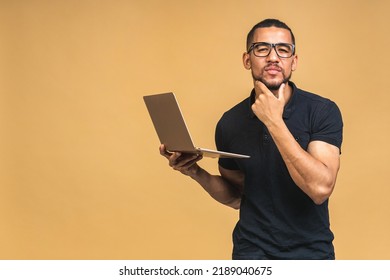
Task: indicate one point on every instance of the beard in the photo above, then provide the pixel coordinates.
(272, 85)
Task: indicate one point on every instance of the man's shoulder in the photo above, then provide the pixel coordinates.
(236, 116)
(310, 98)
(315, 104)
(242, 107)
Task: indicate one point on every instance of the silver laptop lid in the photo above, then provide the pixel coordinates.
(168, 122)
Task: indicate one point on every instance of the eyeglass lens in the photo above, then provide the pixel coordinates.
(264, 49)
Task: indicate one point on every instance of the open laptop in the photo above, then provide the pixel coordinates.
(171, 128)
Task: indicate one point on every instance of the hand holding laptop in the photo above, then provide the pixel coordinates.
(185, 163)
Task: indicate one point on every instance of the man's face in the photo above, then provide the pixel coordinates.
(271, 70)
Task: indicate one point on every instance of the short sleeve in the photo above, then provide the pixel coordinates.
(221, 136)
(328, 125)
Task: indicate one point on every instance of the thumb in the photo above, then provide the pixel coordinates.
(281, 91)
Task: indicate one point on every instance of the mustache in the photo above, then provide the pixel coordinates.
(273, 66)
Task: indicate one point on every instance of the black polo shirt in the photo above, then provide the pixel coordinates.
(277, 219)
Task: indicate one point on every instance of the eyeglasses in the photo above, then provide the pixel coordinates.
(263, 49)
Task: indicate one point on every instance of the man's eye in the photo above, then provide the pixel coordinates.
(284, 50)
(262, 49)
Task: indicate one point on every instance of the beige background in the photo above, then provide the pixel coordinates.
(80, 173)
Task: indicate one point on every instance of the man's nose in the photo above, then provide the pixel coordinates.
(273, 56)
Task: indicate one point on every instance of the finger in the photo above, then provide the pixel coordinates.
(185, 165)
(258, 83)
(164, 152)
(195, 159)
(281, 91)
(174, 159)
(260, 88)
(184, 160)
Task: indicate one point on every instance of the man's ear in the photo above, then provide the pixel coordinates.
(246, 61)
(294, 63)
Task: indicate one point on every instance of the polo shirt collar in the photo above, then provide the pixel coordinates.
(288, 109)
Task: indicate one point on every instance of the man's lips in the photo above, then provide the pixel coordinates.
(273, 70)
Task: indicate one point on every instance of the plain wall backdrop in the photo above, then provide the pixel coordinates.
(80, 172)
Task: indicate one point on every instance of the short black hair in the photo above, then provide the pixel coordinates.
(270, 22)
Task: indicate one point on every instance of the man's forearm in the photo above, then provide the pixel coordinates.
(218, 188)
(309, 174)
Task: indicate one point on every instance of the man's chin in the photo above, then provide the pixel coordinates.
(271, 85)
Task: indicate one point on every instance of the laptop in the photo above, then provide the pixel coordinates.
(171, 128)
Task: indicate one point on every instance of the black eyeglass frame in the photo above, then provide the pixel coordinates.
(272, 46)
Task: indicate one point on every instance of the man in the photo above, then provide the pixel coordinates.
(294, 139)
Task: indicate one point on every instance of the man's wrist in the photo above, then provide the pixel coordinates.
(195, 172)
(275, 125)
